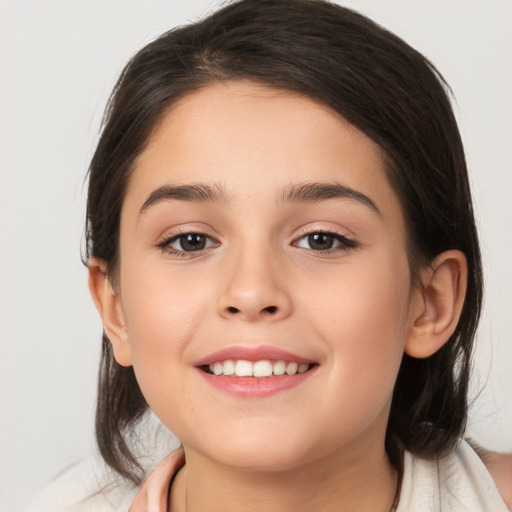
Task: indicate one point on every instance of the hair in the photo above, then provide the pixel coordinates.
(377, 82)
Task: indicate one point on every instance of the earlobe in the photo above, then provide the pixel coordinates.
(437, 305)
(108, 304)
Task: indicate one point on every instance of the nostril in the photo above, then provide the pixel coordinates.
(271, 310)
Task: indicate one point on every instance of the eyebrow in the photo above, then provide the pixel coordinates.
(316, 192)
(196, 193)
(307, 192)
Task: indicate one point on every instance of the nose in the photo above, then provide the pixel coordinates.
(254, 288)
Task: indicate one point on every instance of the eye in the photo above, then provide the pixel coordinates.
(187, 243)
(325, 242)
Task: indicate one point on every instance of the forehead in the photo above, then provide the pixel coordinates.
(256, 140)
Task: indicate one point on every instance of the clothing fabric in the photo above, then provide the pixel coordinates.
(458, 482)
(91, 486)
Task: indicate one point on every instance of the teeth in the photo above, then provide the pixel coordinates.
(304, 367)
(263, 368)
(243, 369)
(291, 368)
(228, 367)
(279, 368)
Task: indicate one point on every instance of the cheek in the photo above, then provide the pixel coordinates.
(366, 325)
(161, 319)
(367, 347)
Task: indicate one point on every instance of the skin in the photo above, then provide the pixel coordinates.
(353, 310)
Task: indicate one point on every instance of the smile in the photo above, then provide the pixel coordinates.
(259, 369)
(255, 372)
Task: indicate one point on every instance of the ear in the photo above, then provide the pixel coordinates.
(437, 304)
(108, 304)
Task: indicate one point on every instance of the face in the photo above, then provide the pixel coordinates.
(264, 283)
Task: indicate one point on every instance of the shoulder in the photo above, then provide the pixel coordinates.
(86, 486)
(91, 486)
(499, 466)
(457, 481)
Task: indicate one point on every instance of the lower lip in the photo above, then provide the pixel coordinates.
(254, 386)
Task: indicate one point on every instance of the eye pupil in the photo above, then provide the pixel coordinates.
(192, 242)
(320, 241)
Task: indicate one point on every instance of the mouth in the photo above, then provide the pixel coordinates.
(255, 371)
(259, 369)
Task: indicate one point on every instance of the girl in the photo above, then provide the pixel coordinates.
(282, 249)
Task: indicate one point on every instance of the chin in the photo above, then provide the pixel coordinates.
(258, 454)
(260, 461)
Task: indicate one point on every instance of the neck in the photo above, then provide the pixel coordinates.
(352, 480)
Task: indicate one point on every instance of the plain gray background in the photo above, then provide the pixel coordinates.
(59, 60)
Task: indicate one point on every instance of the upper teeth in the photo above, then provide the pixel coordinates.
(265, 368)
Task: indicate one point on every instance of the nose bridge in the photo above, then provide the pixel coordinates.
(254, 287)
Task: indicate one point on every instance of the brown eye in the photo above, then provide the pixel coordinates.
(184, 243)
(324, 242)
(192, 242)
(320, 241)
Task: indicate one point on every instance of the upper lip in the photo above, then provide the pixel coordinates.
(239, 352)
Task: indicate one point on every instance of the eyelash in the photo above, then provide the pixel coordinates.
(345, 244)
(171, 251)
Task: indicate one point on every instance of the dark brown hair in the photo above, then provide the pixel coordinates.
(379, 84)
